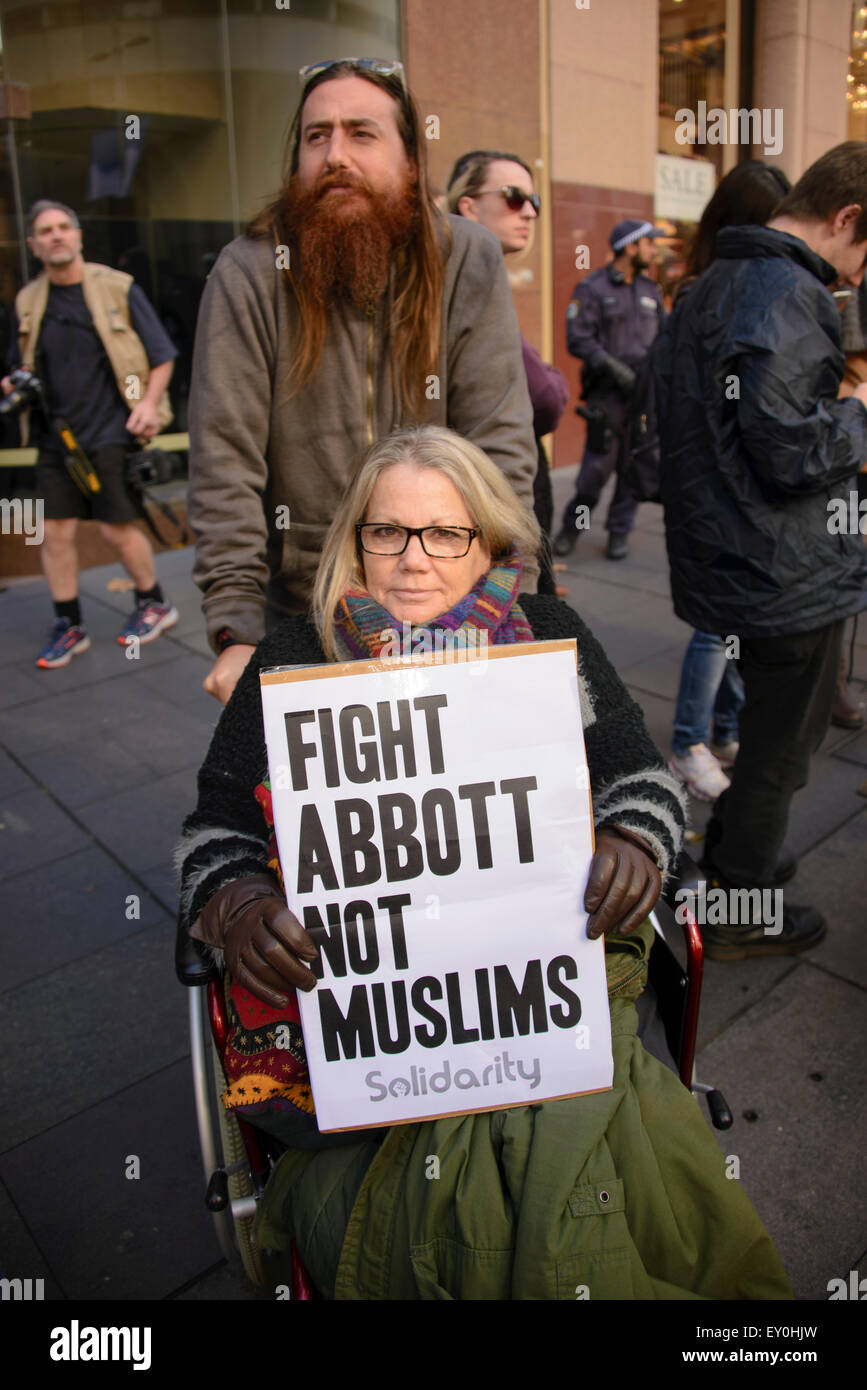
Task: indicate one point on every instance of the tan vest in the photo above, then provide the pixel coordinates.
(106, 294)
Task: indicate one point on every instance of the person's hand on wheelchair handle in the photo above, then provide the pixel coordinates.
(623, 884)
(265, 946)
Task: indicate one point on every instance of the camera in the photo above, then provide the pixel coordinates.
(28, 391)
(147, 467)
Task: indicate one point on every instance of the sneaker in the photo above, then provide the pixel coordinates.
(845, 714)
(564, 544)
(725, 753)
(66, 642)
(701, 772)
(148, 621)
(618, 545)
(803, 928)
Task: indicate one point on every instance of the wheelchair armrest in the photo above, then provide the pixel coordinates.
(686, 874)
(192, 964)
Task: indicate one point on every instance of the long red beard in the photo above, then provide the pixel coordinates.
(342, 249)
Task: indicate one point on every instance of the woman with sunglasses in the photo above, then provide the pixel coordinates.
(430, 534)
(497, 191)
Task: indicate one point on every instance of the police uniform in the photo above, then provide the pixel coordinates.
(608, 317)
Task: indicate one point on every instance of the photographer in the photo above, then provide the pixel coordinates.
(612, 320)
(104, 362)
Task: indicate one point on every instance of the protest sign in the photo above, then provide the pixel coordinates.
(434, 826)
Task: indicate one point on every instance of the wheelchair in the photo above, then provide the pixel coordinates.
(237, 1158)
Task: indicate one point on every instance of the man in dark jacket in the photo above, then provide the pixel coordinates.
(612, 320)
(757, 456)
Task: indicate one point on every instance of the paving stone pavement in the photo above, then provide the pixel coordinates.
(97, 771)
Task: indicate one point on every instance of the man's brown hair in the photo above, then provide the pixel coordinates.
(417, 310)
(837, 179)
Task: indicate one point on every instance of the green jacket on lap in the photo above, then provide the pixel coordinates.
(616, 1195)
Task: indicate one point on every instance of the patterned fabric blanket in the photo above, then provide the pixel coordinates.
(264, 1061)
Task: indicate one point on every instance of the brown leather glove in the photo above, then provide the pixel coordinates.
(264, 943)
(624, 882)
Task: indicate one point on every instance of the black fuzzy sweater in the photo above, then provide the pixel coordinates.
(226, 837)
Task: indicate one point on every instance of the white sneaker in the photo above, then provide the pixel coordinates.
(701, 772)
(725, 753)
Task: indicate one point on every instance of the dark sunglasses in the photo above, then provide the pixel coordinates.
(515, 197)
(383, 68)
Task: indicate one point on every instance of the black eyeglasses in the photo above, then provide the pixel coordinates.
(438, 542)
(515, 197)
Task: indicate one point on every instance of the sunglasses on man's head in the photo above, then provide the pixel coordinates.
(381, 66)
(515, 197)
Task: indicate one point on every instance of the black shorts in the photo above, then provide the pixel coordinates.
(64, 499)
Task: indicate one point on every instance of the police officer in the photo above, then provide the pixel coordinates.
(612, 319)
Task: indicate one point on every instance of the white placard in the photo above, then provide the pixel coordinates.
(434, 826)
(684, 187)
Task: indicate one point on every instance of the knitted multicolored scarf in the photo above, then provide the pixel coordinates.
(363, 628)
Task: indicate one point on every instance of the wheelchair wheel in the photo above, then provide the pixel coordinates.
(240, 1182)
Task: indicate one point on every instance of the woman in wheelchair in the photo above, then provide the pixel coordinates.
(620, 1194)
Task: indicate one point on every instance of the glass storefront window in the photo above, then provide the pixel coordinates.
(856, 78)
(692, 72)
(161, 122)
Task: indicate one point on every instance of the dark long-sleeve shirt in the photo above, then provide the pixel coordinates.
(609, 318)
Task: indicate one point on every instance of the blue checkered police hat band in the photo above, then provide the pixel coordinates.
(626, 232)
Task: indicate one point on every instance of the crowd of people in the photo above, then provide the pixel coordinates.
(366, 426)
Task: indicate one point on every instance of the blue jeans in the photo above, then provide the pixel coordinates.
(710, 689)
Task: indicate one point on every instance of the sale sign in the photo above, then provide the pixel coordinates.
(435, 832)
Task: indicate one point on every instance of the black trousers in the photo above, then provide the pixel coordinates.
(789, 686)
(596, 469)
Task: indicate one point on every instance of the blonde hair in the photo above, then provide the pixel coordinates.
(486, 493)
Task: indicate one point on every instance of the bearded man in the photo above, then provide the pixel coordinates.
(350, 307)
